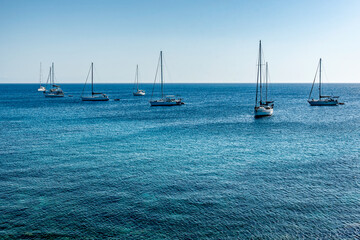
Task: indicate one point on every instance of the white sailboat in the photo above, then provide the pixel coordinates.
(55, 90)
(262, 108)
(41, 88)
(324, 100)
(94, 95)
(165, 100)
(138, 91)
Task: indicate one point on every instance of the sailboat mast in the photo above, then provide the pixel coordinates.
(49, 78)
(162, 81)
(257, 77)
(260, 68)
(52, 75)
(266, 81)
(92, 79)
(320, 80)
(40, 74)
(137, 77)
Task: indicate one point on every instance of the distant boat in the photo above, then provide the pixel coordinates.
(165, 100)
(94, 95)
(324, 100)
(41, 88)
(55, 90)
(262, 108)
(138, 91)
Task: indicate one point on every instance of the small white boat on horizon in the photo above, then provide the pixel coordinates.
(55, 90)
(324, 100)
(94, 97)
(262, 108)
(41, 89)
(165, 100)
(138, 92)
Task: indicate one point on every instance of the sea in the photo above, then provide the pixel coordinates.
(204, 170)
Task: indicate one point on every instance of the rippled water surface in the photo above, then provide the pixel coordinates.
(204, 170)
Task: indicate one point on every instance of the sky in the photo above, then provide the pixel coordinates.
(203, 41)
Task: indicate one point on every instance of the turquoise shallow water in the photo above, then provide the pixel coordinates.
(204, 170)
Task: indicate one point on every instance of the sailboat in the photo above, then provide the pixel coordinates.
(165, 100)
(94, 95)
(41, 88)
(262, 108)
(138, 91)
(55, 90)
(323, 99)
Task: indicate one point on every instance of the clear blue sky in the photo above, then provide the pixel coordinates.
(202, 40)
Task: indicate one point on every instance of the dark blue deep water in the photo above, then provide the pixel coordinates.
(204, 170)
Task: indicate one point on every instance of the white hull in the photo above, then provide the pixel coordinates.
(42, 89)
(263, 111)
(139, 93)
(95, 98)
(323, 102)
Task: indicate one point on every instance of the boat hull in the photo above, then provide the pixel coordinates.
(323, 103)
(54, 92)
(53, 95)
(165, 103)
(139, 93)
(41, 90)
(263, 111)
(95, 99)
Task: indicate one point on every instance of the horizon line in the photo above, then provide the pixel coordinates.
(183, 83)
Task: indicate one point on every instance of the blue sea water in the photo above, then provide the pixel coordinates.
(204, 170)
